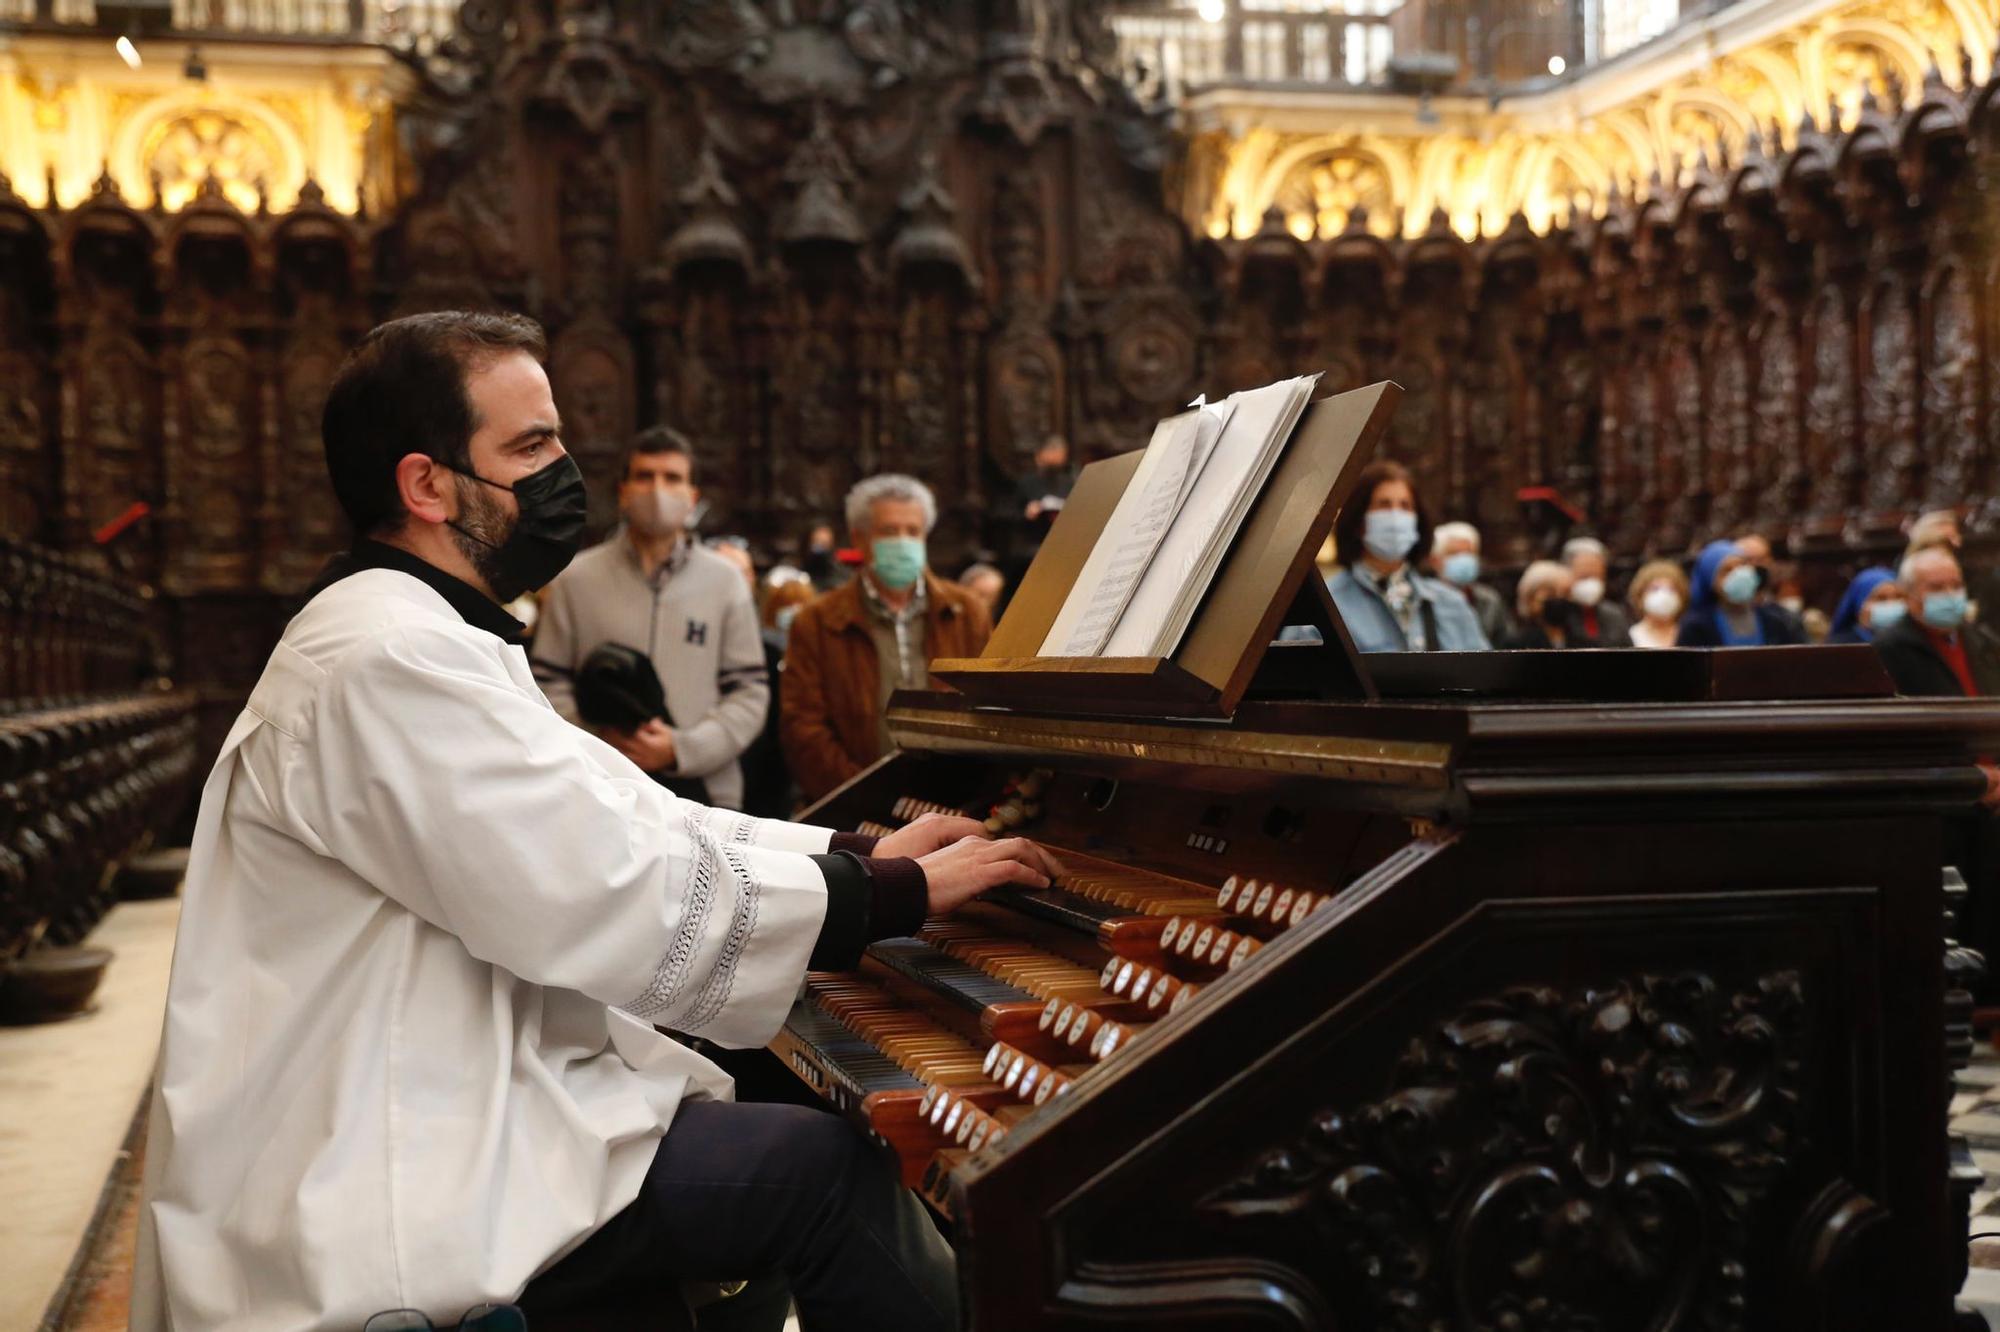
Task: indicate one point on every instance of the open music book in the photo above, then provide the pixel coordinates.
(1201, 472)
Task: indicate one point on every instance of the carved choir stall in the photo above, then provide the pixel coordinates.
(93, 764)
(1508, 990)
(826, 238)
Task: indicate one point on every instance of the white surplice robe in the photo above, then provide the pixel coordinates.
(428, 924)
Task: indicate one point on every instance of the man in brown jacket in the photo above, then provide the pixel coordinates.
(853, 647)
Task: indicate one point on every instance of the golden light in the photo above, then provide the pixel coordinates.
(1211, 11)
(1554, 156)
(127, 52)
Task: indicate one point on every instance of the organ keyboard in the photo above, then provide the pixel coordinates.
(1616, 1000)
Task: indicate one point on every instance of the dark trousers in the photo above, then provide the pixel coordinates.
(748, 1191)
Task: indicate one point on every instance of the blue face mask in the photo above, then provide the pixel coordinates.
(1944, 611)
(1389, 533)
(1882, 614)
(1462, 568)
(898, 561)
(1739, 585)
(782, 621)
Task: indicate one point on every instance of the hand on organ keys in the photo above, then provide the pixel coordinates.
(957, 873)
(960, 861)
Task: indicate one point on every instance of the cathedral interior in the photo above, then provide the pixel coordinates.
(1653, 271)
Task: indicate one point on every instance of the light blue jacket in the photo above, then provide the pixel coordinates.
(1374, 628)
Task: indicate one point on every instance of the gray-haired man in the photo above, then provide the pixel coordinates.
(856, 645)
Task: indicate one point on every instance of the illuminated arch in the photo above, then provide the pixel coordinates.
(141, 134)
(1672, 112)
(1394, 166)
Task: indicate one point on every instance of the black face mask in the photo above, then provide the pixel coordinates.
(545, 535)
(1556, 610)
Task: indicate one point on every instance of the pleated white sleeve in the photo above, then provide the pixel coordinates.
(451, 785)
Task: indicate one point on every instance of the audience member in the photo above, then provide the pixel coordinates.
(680, 614)
(1939, 527)
(783, 596)
(1925, 650)
(1601, 621)
(1723, 607)
(821, 557)
(1044, 491)
(1454, 558)
(735, 552)
(1038, 497)
(856, 645)
(1658, 595)
(1871, 604)
(1757, 550)
(1387, 605)
(1926, 654)
(986, 583)
(1548, 616)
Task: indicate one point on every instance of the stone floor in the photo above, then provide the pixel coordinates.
(68, 1094)
(1976, 1114)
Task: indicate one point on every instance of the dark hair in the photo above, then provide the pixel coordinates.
(402, 391)
(658, 439)
(1347, 527)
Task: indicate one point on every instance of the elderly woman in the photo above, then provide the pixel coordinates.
(1871, 603)
(1548, 616)
(1658, 595)
(1388, 606)
(1724, 609)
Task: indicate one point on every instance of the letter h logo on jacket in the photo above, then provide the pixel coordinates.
(697, 631)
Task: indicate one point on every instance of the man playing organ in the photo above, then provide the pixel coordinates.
(410, 1053)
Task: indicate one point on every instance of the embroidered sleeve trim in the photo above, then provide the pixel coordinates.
(671, 974)
(715, 990)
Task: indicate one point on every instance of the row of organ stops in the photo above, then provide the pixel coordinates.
(946, 1041)
(67, 631)
(95, 759)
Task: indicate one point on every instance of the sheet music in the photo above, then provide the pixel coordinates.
(1202, 470)
(1144, 513)
(1240, 460)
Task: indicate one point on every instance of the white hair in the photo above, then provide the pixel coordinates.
(1906, 572)
(888, 486)
(1446, 533)
(1576, 546)
(1540, 574)
(979, 570)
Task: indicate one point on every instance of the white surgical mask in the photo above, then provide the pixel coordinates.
(1661, 603)
(1389, 533)
(1879, 615)
(658, 513)
(1587, 591)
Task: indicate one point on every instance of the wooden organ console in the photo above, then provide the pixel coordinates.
(1424, 992)
(1443, 1012)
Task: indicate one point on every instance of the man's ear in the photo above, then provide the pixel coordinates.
(423, 484)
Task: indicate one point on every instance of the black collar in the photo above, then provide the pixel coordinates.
(473, 606)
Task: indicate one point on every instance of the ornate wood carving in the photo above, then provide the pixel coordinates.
(1594, 1158)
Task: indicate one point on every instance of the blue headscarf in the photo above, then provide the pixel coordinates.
(1703, 602)
(1847, 616)
(1701, 596)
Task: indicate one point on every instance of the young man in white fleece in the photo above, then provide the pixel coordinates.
(652, 587)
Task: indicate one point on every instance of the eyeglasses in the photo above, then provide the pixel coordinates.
(479, 1318)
